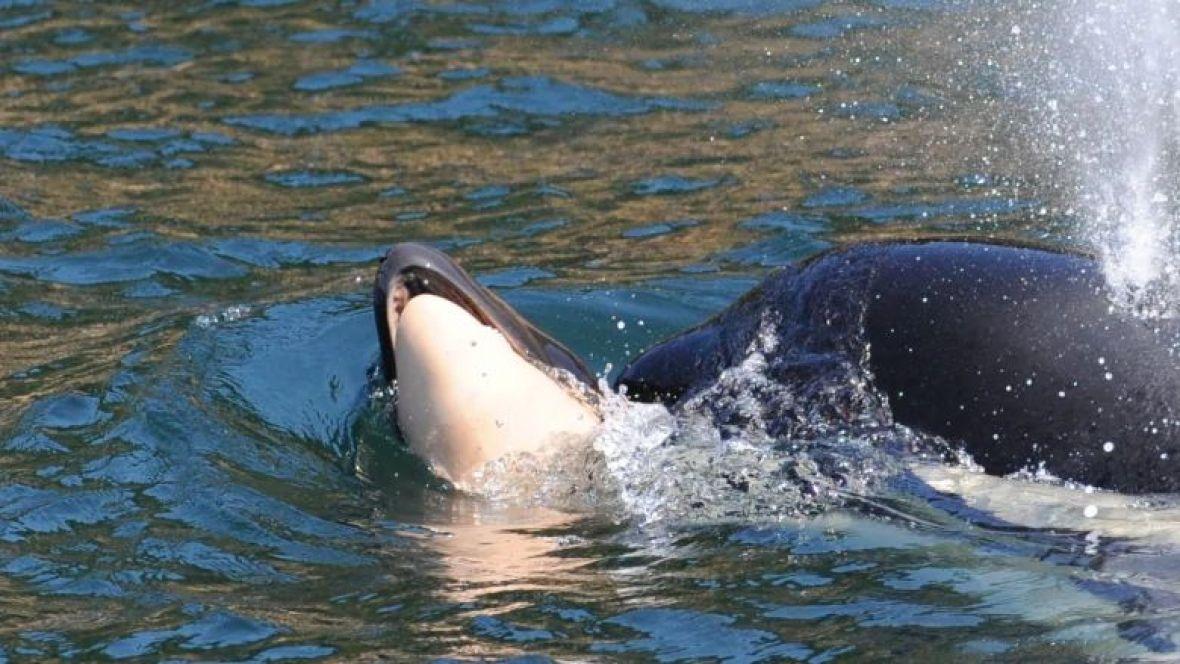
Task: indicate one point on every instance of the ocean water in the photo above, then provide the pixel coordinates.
(197, 464)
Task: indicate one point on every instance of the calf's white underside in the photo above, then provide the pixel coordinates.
(465, 397)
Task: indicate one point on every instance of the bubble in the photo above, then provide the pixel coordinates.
(1108, 447)
(228, 315)
(620, 325)
(235, 312)
(1091, 511)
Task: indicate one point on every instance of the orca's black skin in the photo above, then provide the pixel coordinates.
(1004, 349)
(423, 269)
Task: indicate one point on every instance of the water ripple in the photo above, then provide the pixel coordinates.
(521, 96)
(154, 55)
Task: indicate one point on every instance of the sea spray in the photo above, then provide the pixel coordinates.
(1105, 89)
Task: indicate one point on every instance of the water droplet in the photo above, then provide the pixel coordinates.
(1108, 447)
(1091, 511)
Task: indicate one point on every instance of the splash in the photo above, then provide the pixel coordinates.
(724, 454)
(793, 428)
(652, 465)
(1111, 106)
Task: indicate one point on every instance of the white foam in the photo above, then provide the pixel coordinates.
(228, 315)
(628, 439)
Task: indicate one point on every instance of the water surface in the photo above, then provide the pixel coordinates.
(196, 464)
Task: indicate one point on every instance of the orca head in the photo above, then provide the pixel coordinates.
(410, 269)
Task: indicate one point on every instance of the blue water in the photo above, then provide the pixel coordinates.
(195, 462)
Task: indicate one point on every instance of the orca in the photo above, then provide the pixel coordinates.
(476, 382)
(1014, 352)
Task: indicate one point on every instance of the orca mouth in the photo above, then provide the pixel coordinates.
(422, 269)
